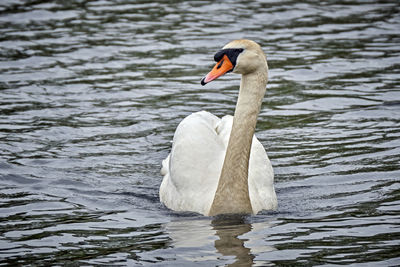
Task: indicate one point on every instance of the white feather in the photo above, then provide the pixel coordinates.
(192, 169)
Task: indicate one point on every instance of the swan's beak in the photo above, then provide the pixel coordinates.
(222, 67)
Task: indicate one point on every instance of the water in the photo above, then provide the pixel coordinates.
(92, 91)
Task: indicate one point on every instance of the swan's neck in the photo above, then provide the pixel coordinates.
(232, 195)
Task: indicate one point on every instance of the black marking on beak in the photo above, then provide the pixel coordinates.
(231, 53)
(220, 64)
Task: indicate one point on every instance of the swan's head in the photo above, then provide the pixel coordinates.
(239, 56)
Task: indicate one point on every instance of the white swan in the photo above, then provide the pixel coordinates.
(217, 166)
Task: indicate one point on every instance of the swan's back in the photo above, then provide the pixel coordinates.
(192, 169)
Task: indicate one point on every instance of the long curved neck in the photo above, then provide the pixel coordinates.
(232, 195)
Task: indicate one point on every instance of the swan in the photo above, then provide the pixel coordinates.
(217, 166)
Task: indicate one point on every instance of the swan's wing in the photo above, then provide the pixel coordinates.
(261, 179)
(192, 169)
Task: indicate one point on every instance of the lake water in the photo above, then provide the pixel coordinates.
(92, 91)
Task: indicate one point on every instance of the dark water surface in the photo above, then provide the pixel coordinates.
(92, 91)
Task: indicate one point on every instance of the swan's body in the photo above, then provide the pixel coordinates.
(217, 166)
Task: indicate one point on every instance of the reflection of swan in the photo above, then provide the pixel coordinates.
(224, 240)
(217, 166)
(230, 243)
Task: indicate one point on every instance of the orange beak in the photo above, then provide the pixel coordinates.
(222, 67)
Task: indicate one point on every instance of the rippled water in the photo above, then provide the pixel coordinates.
(92, 91)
